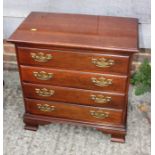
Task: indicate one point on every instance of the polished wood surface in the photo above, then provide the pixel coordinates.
(76, 96)
(71, 30)
(76, 69)
(74, 112)
(74, 79)
(70, 60)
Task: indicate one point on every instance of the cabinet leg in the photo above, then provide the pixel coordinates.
(118, 138)
(32, 127)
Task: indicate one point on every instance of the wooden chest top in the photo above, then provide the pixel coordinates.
(78, 31)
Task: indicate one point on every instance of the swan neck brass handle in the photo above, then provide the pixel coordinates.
(41, 57)
(102, 62)
(100, 98)
(45, 107)
(44, 92)
(42, 75)
(101, 82)
(99, 114)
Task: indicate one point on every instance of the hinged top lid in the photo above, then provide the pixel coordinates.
(78, 31)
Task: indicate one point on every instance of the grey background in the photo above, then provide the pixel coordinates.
(16, 11)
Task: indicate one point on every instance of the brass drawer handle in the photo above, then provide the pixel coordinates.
(42, 75)
(99, 114)
(100, 98)
(45, 107)
(101, 82)
(44, 92)
(41, 57)
(102, 62)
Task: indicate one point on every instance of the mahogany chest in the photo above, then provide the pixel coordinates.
(76, 69)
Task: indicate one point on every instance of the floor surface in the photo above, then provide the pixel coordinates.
(58, 139)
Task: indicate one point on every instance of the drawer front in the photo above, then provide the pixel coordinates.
(74, 60)
(74, 112)
(74, 79)
(71, 95)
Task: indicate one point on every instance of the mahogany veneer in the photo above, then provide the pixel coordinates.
(76, 69)
(71, 59)
(74, 79)
(76, 96)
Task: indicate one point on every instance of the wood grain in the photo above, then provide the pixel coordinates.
(63, 30)
(70, 60)
(74, 112)
(74, 79)
(76, 96)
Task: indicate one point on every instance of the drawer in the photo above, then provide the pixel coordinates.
(75, 79)
(74, 112)
(72, 95)
(103, 63)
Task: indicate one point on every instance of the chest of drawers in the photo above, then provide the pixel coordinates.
(76, 69)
